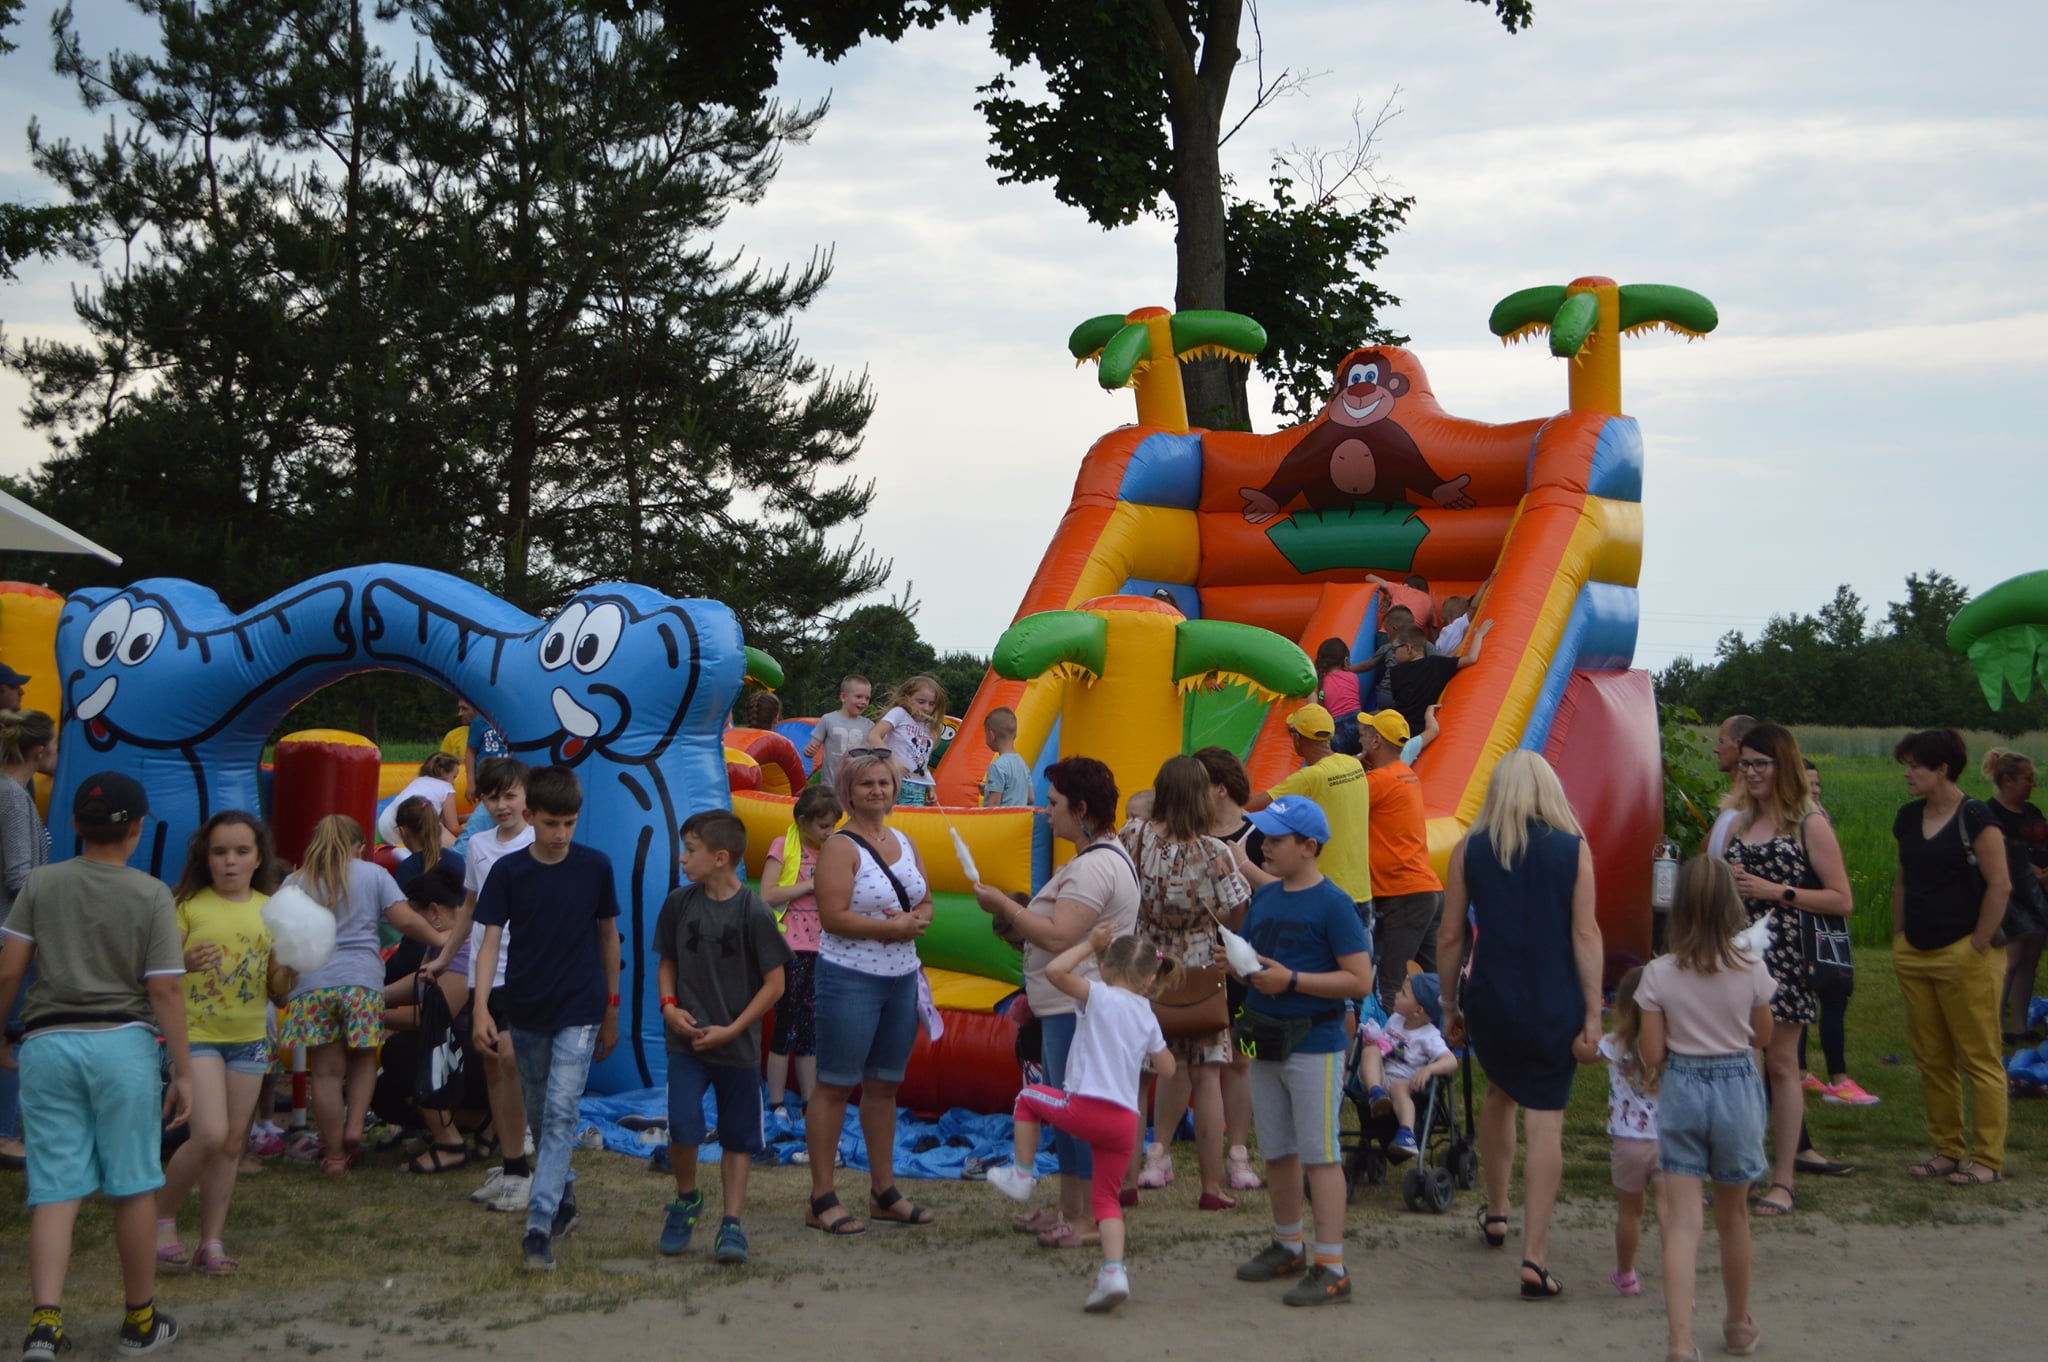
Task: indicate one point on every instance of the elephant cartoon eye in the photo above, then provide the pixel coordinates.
(598, 637)
(103, 635)
(1362, 373)
(145, 630)
(557, 643)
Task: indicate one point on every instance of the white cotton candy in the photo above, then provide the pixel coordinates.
(1755, 939)
(966, 857)
(1238, 951)
(301, 931)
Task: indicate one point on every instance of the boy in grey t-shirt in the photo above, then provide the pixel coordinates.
(723, 965)
(110, 961)
(1008, 782)
(844, 728)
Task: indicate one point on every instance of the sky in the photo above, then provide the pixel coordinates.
(1861, 190)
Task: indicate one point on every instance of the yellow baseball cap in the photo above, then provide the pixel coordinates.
(1312, 721)
(1389, 724)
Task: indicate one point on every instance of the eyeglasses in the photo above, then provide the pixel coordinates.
(1756, 763)
(881, 752)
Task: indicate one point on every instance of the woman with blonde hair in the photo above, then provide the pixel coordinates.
(28, 748)
(1786, 862)
(1533, 991)
(1188, 883)
(2026, 853)
(337, 1011)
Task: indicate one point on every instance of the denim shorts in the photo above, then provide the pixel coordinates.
(1711, 1118)
(240, 1056)
(867, 1024)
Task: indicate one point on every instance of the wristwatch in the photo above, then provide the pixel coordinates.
(1789, 892)
(1293, 978)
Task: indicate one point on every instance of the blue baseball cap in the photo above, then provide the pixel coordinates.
(1293, 813)
(1429, 993)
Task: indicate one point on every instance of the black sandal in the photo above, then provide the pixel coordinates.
(438, 1160)
(1545, 1287)
(1486, 1224)
(844, 1226)
(884, 1204)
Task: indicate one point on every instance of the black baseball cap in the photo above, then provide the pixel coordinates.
(11, 677)
(110, 799)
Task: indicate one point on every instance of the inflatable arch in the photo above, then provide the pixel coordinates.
(625, 685)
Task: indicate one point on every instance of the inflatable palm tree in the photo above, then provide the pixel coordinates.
(1130, 662)
(2004, 633)
(1586, 320)
(1144, 350)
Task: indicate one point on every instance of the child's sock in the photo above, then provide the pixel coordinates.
(1113, 1268)
(1331, 1256)
(141, 1318)
(1288, 1237)
(166, 1230)
(725, 1220)
(46, 1314)
(518, 1168)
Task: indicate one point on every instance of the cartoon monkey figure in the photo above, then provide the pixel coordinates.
(1356, 452)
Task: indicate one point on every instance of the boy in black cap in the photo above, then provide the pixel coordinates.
(110, 963)
(11, 682)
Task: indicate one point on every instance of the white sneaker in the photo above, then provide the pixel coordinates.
(511, 1195)
(1013, 1182)
(1112, 1288)
(489, 1191)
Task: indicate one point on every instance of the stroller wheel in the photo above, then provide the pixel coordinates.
(1414, 1189)
(1437, 1191)
(1375, 1162)
(1465, 1167)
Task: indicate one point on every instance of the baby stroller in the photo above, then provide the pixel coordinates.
(1446, 1159)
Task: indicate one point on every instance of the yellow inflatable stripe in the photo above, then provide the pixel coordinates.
(998, 839)
(967, 992)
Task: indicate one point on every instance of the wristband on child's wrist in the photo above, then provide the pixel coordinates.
(611, 1000)
(671, 1002)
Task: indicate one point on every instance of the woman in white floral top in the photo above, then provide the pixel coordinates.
(1188, 882)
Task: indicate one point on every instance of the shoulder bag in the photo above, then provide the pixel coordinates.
(927, 1006)
(1978, 885)
(1823, 939)
(1199, 1005)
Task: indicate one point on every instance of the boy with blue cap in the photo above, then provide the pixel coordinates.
(1313, 958)
(1414, 1050)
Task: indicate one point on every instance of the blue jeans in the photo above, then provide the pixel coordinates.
(10, 1079)
(553, 1068)
(1056, 1039)
(867, 1025)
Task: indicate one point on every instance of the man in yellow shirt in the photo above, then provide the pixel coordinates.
(1337, 784)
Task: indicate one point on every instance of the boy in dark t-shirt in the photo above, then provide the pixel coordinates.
(562, 989)
(1416, 680)
(723, 965)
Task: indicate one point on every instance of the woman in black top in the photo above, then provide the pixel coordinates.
(1947, 902)
(2026, 857)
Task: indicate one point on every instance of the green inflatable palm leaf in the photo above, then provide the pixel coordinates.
(1208, 333)
(2004, 633)
(1645, 307)
(763, 670)
(1090, 336)
(1219, 649)
(1071, 641)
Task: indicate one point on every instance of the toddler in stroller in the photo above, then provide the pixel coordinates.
(1398, 1080)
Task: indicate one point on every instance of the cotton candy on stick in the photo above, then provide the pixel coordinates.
(1238, 951)
(966, 856)
(1755, 939)
(301, 931)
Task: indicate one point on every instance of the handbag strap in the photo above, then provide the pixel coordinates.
(902, 894)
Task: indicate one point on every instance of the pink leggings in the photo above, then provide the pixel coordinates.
(1110, 1130)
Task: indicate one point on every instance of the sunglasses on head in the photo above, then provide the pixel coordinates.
(882, 752)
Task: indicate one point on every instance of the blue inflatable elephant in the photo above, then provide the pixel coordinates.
(627, 686)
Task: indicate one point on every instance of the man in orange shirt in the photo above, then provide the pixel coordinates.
(1408, 898)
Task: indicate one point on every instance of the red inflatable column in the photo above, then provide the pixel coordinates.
(317, 772)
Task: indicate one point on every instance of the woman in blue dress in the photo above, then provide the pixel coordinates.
(1533, 994)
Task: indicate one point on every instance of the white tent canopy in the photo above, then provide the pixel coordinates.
(24, 529)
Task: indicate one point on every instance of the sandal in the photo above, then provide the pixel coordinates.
(171, 1255)
(1486, 1224)
(334, 1166)
(438, 1159)
(1038, 1222)
(213, 1260)
(844, 1226)
(1826, 1168)
(883, 1206)
(1940, 1166)
(1545, 1287)
(1974, 1174)
(1064, 1236)
(1768, 1207)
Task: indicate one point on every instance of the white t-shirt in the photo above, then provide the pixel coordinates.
(1631, 1113)
(1104, 880)
(874, 897)
(1116, 1032)
(485, 850)
(1706, 1014)
(911, 742)
(1412, 1049)
(432, 788)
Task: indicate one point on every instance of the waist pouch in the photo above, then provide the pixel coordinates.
(1274, 1039)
